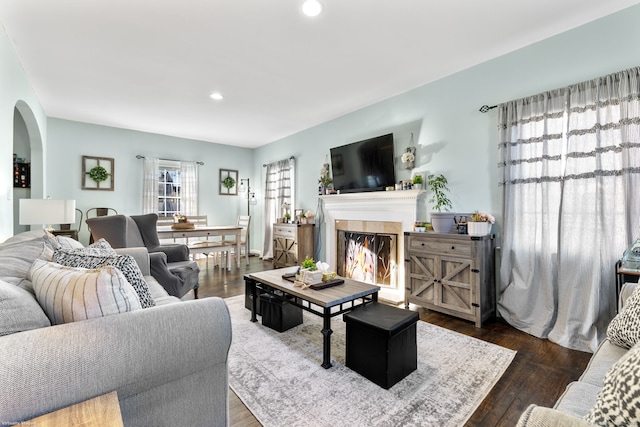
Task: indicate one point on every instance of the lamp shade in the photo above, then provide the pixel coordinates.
(47, 211)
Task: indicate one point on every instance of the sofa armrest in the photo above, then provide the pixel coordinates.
(175, 252)
(625, 293)
(141, 255)
(538, 416)
(167, 363)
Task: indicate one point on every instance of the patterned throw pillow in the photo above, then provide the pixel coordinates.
(618, 402)
(69, 294)
(125, 263)
(101, 247)
(624, 329)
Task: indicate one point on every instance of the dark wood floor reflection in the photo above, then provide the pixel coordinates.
(538, 374)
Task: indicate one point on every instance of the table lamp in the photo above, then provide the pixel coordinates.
(47, 211)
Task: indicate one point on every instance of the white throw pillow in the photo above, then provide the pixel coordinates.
(618, 402)
(69, 294)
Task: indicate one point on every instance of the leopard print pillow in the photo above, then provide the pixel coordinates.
(624, 329)
(618, 402)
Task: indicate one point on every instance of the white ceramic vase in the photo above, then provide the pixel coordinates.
(442, 222)
(478, 228)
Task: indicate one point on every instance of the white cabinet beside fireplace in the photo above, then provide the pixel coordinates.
(292, 243)
(451, 273)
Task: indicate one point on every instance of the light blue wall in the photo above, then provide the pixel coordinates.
(453, 137)
(69, 141)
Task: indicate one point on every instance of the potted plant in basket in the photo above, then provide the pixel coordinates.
(442, 222)
(480, 224)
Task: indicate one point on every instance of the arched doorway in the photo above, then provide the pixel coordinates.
(27, 144)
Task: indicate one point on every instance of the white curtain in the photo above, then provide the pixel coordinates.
(571, 160)
(150, 185)
(279, 189)
(189, 177)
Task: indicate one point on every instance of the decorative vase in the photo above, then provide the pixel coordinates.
(478, 228)
(417, 186)
(442, 222)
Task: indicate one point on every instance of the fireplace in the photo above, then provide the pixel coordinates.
(382, 212)
(368, 257)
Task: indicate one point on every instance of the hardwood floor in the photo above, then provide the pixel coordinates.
(538, 374)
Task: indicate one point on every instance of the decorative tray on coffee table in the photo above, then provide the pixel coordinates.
(291, 277)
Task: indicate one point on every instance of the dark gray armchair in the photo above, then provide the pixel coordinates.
(170, 264)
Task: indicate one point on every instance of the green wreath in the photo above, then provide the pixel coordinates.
(229, 182)
(98, 174)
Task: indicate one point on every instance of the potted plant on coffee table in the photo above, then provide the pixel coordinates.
(441, 218)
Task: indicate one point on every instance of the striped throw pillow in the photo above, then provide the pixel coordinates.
(69, 294)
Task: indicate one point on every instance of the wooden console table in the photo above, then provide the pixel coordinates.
(101, 411)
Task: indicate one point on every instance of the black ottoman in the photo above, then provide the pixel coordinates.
(278, 314)
(381, 343)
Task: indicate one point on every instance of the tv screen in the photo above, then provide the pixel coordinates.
(367, 165)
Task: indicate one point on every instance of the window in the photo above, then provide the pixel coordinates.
(169, 190)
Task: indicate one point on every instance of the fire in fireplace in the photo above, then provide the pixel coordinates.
(368, 257)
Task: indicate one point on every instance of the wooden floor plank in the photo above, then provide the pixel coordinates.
(539, 373)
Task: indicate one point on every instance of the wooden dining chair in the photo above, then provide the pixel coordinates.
(244, 221)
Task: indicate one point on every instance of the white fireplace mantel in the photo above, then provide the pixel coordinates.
(388, 206)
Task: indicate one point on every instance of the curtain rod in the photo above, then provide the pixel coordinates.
(486, 108)
(170, 160)
(264, 165)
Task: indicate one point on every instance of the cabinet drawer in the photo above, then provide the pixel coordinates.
(284, 231)
(448, 248)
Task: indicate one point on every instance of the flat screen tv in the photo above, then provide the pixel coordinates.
(367, 165)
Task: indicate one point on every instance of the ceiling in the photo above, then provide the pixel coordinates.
(151, 65)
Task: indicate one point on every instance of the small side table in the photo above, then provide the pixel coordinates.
(624, 275)
(101, 411)
(69, 233)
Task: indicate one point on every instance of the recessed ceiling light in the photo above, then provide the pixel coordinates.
(312, 8)
(217, 96)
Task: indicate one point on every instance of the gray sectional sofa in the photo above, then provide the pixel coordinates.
(608, 391)
(168, 363)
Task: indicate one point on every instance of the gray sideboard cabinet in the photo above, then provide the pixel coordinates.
(451, 273)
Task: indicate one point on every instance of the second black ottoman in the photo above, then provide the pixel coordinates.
(381, 343)
(278, 314)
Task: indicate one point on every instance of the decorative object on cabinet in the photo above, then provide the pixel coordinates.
(442, 222)
(452, 274)
(228, 180)
(292, 243)
(98, 173)
(480, 224)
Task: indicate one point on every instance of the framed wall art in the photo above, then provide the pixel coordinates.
(228, 182)
(98, 173)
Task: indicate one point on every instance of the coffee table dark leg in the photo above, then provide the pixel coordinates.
(254, 297)
(326, 341)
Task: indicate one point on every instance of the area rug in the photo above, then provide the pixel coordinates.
(279, 378)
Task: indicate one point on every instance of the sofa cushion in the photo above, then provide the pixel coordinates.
(602, 360)
(17, 255)
(86, 258)
(624, 329)
(618, 402)
(19, 310)
(578, 399)
(69, 294)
